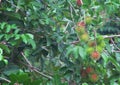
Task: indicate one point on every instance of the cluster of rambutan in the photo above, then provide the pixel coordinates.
(95, 47)
(82, 34)
(90, 74)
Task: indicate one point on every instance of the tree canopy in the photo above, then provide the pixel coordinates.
(59, 42)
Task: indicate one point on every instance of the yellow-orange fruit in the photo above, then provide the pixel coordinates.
(95, 55)
(80, 27)
(88, 20)
(80, 30)
(91, 43)
(100, 39)
(89, 50)
(84, 37)
(94, 77)
(102, 44)
(99, 48)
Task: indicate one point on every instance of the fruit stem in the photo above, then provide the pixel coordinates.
(95, 36)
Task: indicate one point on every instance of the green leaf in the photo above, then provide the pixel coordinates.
(16, 31)
(6, 61)
(69, 50)
(7, 37)
(48, 41)
(5, 48)
(8, 28)
(82, 52)
(13, 26)
(11, 69)
(1, 51)
(1, 36)
(17, 36)
(115, 63)
(13, 15)
(20, 77)
(2, 25)
(57, 80)
(30, 36)
(35, 82)
(32, 42)
(76, 52)
(105, 58)
(24, 38)
(1, 57)
(84, 84)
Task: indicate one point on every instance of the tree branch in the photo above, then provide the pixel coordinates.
(95, 36)
(34, 68)
(115, 44)
(110, 36)
(1, 78)
(104, 36)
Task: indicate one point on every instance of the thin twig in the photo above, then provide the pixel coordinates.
(71, 13)
(67, 25)
(115, 44)
(110, 36)
(74, 42)
(17, 8)
(13, 4)
(72, 7)
(104, 36)
(116, 51)
(1, 78)
(46, 76)
(34, 68)
(26, 59)
(95, 36)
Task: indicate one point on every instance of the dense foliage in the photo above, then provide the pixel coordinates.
(59, 42)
